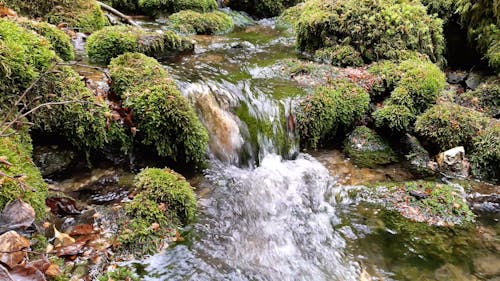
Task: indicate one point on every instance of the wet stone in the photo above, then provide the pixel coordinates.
(53, 159)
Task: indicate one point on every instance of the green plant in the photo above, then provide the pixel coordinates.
(119, 274)
(485, 158)
(191, 22)
(113, 41)
(339, 55)
(261, 8)
(330, 109)
(376, 29)
(485, 99)
(448, 125)
(395, 118)
(290, 16)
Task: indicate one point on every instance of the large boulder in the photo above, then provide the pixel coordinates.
(192, 22)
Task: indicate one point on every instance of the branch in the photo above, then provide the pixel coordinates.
(117, 13)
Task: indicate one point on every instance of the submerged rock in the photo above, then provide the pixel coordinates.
(367, 149)
(53, 159)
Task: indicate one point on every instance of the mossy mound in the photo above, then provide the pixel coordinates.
(113, 41)
(376, 29)
(166, 200)
(448, 125)
(340, 55)
(329, 110)
(82, 15)
(156, 7)
(290, 16)
(485, 99)
(191, 22)
(485, 158)
(23, 56)
(414, 86)
(60, 41)
(26, 182)
(164, 118)
(367, 149)
(261, 8)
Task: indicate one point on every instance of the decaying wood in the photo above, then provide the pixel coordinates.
(117, 13)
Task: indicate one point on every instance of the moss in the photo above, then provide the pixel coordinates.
(444, 8)
(290, 16)
(164, 118)
(485, 158)
(28, 184)
(376, 29)
(168, 187)
(329, 110)
(340, 55)
(261, 8)
(389, 75)
(367, 149)
(394, 118)
(111, 42)
(157, 7)
(23, 56)
(485, 99)
(60, 41)
(191, 22)
(448, 125)
(119, 274)
(196, 5)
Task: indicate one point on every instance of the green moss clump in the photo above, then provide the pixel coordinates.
(169, 187)
(23, 56)
(16, 149)
(330, 109)
(196, 5)
(83, 15)
(340, 55)
(485, 158)
(394, 118)
(290, 16)
(261, 8)
(485, 99)
(113, 41)
(156, 7)
(367, 149)
(448, 125)
(164, 118)
(191, 22)
(119, 274)
(60, 41)
(376, 29)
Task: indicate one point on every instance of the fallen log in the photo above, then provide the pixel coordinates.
(117, 13)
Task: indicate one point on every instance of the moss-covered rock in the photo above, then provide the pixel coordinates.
(448, 125)
(485, 158)
(23, 56)
(367, 149)
(376, 29)
(192, 22)
(290, 17)
(60, 41)
(111, 42)
(394, 118)
(485, 99)
(340, 55)
(166, 200)
(164, 118)
(261, 8)
(24, 180)
(83, 15)
(157, 7)
(329, 110)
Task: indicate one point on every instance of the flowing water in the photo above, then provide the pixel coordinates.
(269, 212)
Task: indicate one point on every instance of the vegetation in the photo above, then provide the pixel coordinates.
(367, 149)
(376, 29)
(119, 274)
(19, 176)
(394, 118)
(113, 41)
(290, 16)
(82, 15)
(329, 110)
(485, 99)
(261, 8)
(164, 118)
(485, 158)
(155, 7)
(340, 55)
(191, 22)
(448, 125)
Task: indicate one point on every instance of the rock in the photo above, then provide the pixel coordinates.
(453, 163)
(52, 159)
(11, 246)
(418, 158)
(456, 77)
(16, 215)
(474, 79)
(487, 265)
(367, 149)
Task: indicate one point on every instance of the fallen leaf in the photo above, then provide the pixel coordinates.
(53, 270)
(62, 206)
(17, 215)
(81, 229)
(27, 273)
(4, 274)
(71, 250)
(62, 239)
(11, 248)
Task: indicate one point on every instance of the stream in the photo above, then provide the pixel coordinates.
(267, 211)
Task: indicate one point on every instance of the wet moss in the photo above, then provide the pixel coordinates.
(367, 149)
(340, 55)
(394, 118)
(192, 22)
(329, 110)
(113, 41)
(376, 29)
(157, 7)
(60, 41)
(290, 16)
(448, 125)
(164, 118)
(25, 180)
(119, 274)
(261, 8)
(485, 99)
(485, 157)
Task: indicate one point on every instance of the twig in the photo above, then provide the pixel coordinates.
(117, 13)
